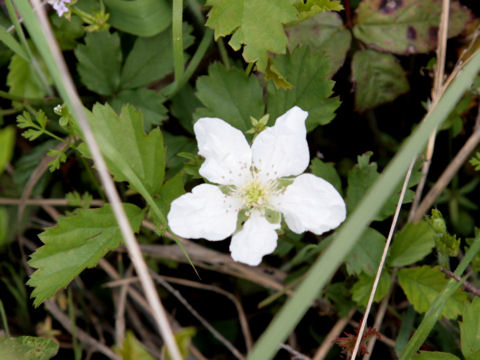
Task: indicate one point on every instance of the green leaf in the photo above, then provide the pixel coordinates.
(363, 287)
(412, 244)
(7, 143)
(132, 349)
(378, 78)
(149, 102)
(151, 59)
(323, 33)
(172, 189)
(423, 284)
(22, 80)
(99, 62)
(434, 355)
(36, 127)
(177, 144)
(366, 254)
(77, 242)
(27, 348)
(362, 176)
(327, 172)
(231, 95)
(257, 24)
(139, 17)
(470, 330)
(406, 27)
(311, 90)
(310, 8)
(131, 154)
(67, 31)
(183, 105)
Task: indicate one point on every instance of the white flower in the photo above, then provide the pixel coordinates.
(59, 6)
(255, 185)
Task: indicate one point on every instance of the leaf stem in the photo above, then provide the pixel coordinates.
(178, 61)
(223, 53)
(207, 40)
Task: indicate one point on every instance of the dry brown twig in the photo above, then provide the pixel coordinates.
(450, 171)
(437, 91)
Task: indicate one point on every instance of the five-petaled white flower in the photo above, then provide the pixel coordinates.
(59, 6)
(256, 184)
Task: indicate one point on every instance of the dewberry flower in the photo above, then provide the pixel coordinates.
(255, 186)
(59, 6)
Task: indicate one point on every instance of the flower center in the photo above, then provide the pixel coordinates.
(255, 194)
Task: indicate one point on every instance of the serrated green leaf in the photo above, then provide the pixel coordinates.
(311, 90)
(406, 27)
(378, 77)
(257, 24)
(365, 256)
(323, 33)
(7, 143)
(470, 330)
(99, 62)
(132, 349)
(363, 287)
(22, 80)
(434, 355)
(139, 17)
(77, 242)
(231, 95)
(310, 8)
(151, 59)
(27, 348)
(327, 171)
(423, 284)
(149, 102)
(131, 155)
(412, 244)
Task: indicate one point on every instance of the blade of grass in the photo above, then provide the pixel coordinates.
(325, 266)
(3, 315)
(435, 311)
(12, 44)
(31, 58)
(178, 62)
(41, 33)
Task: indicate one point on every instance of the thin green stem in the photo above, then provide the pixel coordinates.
(178, 61)
(89, 19)
(71, 314)
(223, 53)
(4, 319)
(207, 40)
(249, 68)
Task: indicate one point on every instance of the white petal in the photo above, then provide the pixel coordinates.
(204, 213)
(257, 238)
(282, 150)
(311, 204)
(227, 153)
